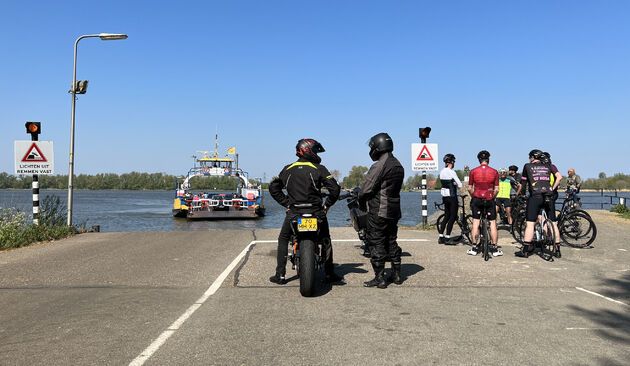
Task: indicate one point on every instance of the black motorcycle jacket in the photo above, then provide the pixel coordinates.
(303, 181)
(381, 187)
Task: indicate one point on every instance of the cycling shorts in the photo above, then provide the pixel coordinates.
(535, 203)
(477, 204)
(506, 202)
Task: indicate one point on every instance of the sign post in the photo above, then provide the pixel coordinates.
(424, 157)
(34, 157)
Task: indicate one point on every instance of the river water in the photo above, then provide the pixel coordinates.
(151, 210)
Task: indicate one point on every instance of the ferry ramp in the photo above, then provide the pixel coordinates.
(163, 298)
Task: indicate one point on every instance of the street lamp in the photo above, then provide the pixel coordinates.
(73, 91)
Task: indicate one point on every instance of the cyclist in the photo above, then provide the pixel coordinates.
(518, 190)
(450, 183)
(483, 185)
(537, 175)
(506, 187)
(574, 182)
(303, 181)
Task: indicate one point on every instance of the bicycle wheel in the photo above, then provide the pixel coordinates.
(466, 226)
(577, 229)
(548, 242)
(518, 228)
(438, 223)
(486, 240)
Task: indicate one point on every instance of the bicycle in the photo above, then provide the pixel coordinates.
(544, 233)
(484, 240)
(464, 221)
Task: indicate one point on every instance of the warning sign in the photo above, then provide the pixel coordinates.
(424, 157)
(34, 157)
(34, 154)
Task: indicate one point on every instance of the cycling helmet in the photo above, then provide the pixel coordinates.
(308, 149)
(380, 144)
(449, 159)
(513, 168)
(536, 154)
(502, 171)
(483, 155)
(546, 158)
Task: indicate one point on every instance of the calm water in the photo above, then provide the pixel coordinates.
(151, 210)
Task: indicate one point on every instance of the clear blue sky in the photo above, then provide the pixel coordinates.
(504, 76)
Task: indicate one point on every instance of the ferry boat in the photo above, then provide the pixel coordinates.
(245, 203)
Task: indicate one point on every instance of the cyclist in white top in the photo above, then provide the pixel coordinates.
(450, 184)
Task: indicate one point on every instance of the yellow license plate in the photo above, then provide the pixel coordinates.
(307, 224)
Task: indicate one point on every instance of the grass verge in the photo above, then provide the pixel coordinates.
(16, 229)
(622, 211)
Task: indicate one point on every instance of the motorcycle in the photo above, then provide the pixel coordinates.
(357, 216)
(308, 252)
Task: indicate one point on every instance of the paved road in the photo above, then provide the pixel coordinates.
(112, 298)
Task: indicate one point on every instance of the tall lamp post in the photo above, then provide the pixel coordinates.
(74, 92)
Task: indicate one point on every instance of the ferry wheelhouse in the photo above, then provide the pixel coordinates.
(245, 203)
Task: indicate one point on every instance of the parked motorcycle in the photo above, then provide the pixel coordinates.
(357, 216)
(309, 252)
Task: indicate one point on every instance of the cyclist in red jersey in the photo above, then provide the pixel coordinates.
(483, 186)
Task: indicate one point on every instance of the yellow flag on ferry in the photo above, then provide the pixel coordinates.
(232, 150)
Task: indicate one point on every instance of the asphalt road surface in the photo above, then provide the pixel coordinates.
(203, 298)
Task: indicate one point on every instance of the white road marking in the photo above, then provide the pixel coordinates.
(623, 250)
(596, 328)
(157, 343)
(602, 296)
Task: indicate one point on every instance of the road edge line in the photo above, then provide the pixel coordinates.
(165, 335)
(602, 296)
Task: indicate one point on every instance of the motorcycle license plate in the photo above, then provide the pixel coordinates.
(309, 224)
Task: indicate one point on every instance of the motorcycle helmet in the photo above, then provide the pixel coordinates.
(308, 149)
(380, 144)
(449, 159)
(536, 154)
(483, 155)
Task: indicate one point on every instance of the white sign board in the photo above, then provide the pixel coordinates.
(424, 157)
(34, 157)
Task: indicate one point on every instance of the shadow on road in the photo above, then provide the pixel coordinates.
(613, 325)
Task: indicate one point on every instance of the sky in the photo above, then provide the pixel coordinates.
(505, 76)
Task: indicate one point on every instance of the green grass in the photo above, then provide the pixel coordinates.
(622, 210)
(16, 229)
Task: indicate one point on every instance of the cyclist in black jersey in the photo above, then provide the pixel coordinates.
(537, 175)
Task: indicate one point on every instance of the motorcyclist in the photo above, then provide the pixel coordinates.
(303, 181)
(380, 192)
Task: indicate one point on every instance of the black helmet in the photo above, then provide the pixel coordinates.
(536, 154)
(513, 168)
(546, 158)
(449, 159)
(483, 155)
(379, 144)
(308, 149)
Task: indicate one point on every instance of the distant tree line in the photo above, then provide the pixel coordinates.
(130, 181)
(617, 181)
(161, 181)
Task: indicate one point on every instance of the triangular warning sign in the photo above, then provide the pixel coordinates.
(424, 154)
(34, 154)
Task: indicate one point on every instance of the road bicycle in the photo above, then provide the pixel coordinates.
(577, 228)
(544, 233)
(464, 221)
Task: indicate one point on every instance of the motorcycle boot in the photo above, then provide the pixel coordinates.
(379, 277)
(395, 276)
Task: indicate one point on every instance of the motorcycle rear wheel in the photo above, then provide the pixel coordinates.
(306, 271)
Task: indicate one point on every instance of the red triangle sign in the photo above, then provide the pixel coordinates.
(424, 154)
(34, 154)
